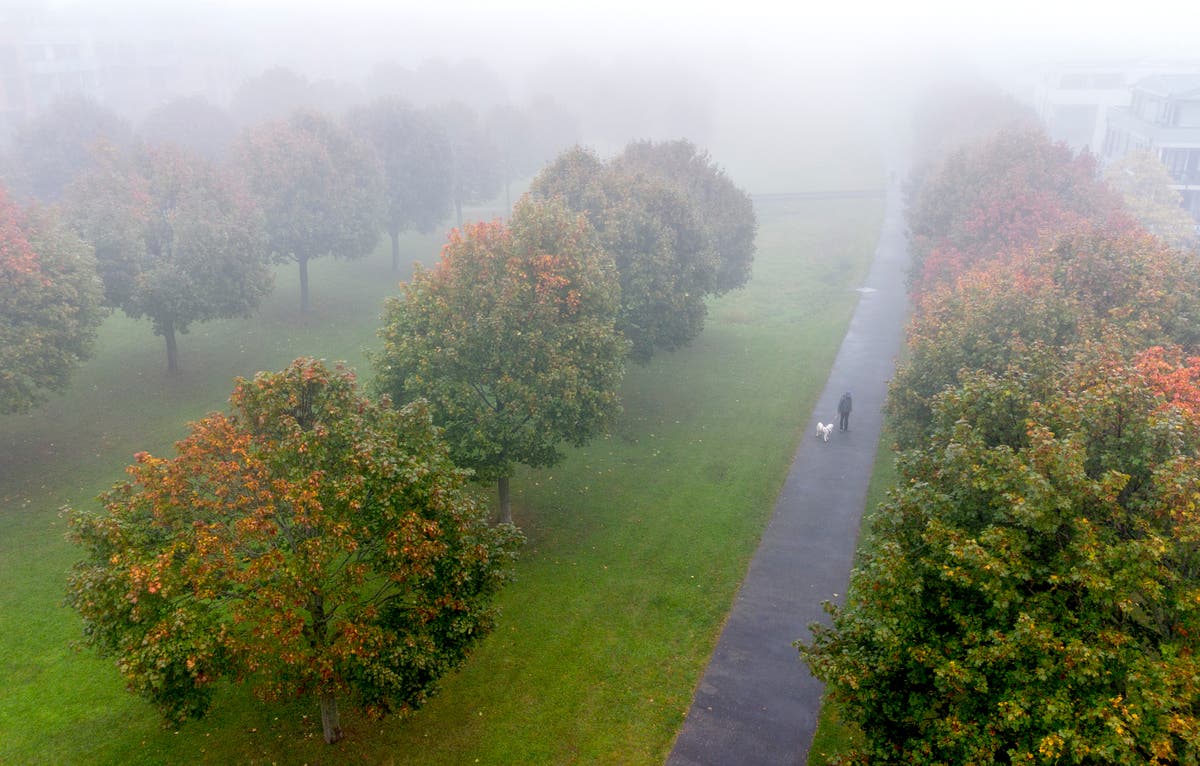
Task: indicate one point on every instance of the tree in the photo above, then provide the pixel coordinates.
(1145, 185)
(475, 163)
(192, 123)
(722, 206)
(279, 92)
(511, 339)
(512, 133)
(415, 158)
(664, 254)
(50, 305)
(1002, 194)
(1083, 284)
(61, 143)
(177, 240)
(311, 541)
(320, 188)
(1032, 602)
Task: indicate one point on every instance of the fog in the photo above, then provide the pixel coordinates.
(746, 80)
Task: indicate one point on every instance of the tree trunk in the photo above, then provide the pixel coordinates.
(303, 284)
(329, 719)
(172, 349)
(505, 501)
(458, 211)
(395, 249)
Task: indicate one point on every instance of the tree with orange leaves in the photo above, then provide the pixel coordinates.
(512, 340)
(311, 542)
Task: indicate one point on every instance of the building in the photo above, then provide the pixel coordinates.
(1163, 117)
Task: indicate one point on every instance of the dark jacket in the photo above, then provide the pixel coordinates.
(845, 404)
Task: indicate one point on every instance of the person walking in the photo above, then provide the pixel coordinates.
(845, 404)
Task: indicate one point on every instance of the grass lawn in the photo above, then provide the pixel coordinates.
(636, 544)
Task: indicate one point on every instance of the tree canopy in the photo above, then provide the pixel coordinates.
(192, 123)
(416, 160)
(475, 165)
(998, 195)
(1033, 602)
(1145, 186)
(310, 542)
(724, 208)
(511, 340)
(321, 189)
(665, 255)
(177, 240)
(50, 304)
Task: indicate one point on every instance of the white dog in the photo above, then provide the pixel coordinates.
(823, 430)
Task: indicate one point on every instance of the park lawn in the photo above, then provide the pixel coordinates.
(636, 543)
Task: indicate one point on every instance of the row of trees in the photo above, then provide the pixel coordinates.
(315, 542)
(1030, 595)
(518, 336)
(181, 238)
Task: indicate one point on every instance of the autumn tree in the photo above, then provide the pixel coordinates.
(192, 123)
(511, 340)
(1032, 602)
(475, 172)
(1145, 186)
(1001, 194)
(321, 190)
(50, 304)
(61, 143)
(415, 158)
(177, 240)
(665, 255)
(723, 207)
(951, 115)
(1087, 282)
(310, 542)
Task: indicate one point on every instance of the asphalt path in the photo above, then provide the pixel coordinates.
(757, 703)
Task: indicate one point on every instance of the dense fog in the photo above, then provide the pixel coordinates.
(745, 80)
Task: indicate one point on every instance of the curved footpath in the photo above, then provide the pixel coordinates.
(757, 703)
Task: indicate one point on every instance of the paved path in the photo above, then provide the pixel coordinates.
(757, 703)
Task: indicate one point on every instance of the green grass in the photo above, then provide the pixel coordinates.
(636, 543)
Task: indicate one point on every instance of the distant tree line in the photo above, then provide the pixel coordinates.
(184, 215)
(1030, 594)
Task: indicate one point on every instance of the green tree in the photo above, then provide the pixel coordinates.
(511, 340)
(50, 304)
(664, 254)
(724, 208)
(1036, 602)
(1145, 185)
(311, 542)
(321, 189)
(415, 157)
(475, 172)
(177, 240)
